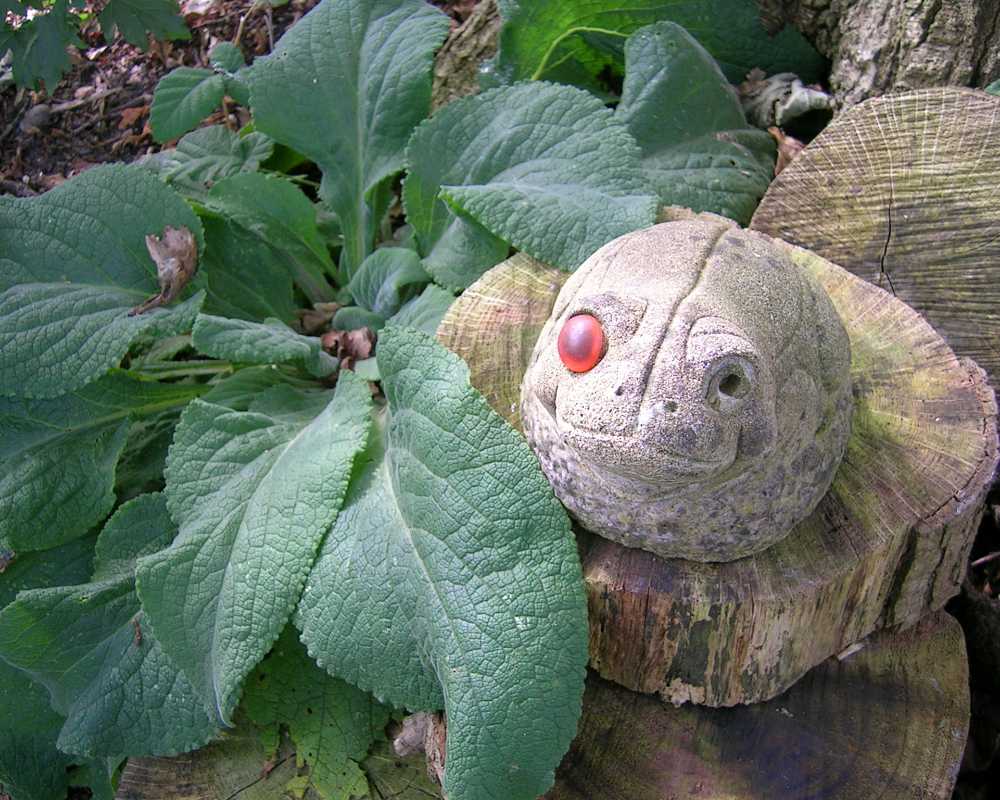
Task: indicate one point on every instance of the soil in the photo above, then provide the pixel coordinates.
(99, 112)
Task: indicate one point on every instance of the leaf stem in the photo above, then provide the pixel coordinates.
(183, 369)
(562, 37)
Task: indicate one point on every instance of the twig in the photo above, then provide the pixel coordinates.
(986, 559)
(70, 105)
(243, 21)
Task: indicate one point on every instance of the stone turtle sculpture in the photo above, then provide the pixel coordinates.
(690, 394)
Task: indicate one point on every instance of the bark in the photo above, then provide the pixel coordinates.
(880, 46)
(456, 66)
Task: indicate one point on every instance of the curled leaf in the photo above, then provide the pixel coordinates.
(176, 259)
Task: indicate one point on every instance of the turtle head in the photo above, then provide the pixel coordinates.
(641, 377)
(690, 393)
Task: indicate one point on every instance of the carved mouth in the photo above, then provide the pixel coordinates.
(595, 443)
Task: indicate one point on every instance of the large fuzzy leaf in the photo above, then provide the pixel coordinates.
(331, 723)
(90, 646)
(451, 578)
(345, 87)
(253, 492)
(550, 38)
(247, 278)
(425, 311)
(270, 342)
(58, 457)
(277, 214)
(31, 768)
(698, 150)
(73, 262)
(546, 168)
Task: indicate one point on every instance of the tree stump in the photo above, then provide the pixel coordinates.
(888, 721)
(904, 191)
(887, 545)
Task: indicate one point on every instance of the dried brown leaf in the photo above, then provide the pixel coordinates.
(176, 259)
(788, 148)
(349, 346)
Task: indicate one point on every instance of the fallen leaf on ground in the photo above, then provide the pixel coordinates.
(130, 116)
(788, 148)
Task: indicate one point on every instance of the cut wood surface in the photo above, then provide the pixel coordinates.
(904, 191)
(888, 721)
(236, 766)
(887, 545)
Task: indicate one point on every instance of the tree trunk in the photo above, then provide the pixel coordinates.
(890, 45)
(456, 66)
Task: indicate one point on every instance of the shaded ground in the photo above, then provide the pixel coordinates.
(100, 110)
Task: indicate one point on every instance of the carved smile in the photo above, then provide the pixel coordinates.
(596, 441)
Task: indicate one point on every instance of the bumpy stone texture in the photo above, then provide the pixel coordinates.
(720, 411)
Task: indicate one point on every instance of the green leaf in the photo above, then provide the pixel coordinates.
(350, 318)
(73, 262)
(345, 86)
(253, 492)
(38, 47)
(424, 313)
(89, 646)
(539, 36)
(31, 768)
(227, 56)
(994, 88)
(247, 277)
(272, 342)
(331, 723)
(133, 18)
(57, 457)
(140, 467)
(207, 155)
(698, 150)
(388, 278)
(451, 577)
(281, 216)
(547, 168)
(182, 99)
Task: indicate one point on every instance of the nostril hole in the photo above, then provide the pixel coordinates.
(732, 385)
(620, 391)
(670, 406)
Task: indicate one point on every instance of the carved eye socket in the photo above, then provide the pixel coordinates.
(730, 384)
(581, 343)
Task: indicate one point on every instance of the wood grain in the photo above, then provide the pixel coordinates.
(904, 191)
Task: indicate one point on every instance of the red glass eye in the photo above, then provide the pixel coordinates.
(581, 343)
